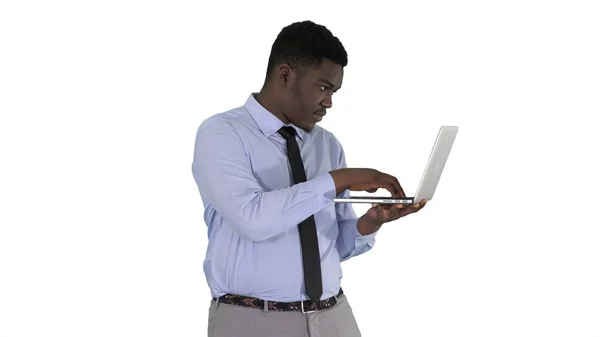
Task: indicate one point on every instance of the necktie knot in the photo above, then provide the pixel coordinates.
(287, 132)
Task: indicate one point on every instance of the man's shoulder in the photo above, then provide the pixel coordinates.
(326, 135)
(230, 120)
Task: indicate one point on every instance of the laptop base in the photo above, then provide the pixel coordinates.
(375, 200)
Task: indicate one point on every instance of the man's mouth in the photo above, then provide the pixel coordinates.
(319, 115)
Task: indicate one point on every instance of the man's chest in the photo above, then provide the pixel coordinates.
(270, 163)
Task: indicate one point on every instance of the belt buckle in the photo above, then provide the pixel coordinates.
(304, 311)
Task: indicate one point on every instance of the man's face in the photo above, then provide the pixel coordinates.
(311, 94)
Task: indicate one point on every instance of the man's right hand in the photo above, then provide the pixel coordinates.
(364, 179)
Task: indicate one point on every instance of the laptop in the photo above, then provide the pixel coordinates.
(430, 178)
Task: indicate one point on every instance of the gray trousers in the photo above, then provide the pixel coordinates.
(227, 320)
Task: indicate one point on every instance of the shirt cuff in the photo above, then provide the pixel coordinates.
(325, 187)
(361, 240)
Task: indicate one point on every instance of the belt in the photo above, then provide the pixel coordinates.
(307, 306)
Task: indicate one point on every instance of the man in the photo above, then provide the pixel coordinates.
(267, 174)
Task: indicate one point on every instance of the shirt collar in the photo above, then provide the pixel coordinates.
(267, 122)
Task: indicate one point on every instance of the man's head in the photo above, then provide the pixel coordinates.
(305, 68)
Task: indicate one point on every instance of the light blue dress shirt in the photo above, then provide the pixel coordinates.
(252, 207)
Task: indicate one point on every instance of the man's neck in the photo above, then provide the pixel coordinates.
(269, 101)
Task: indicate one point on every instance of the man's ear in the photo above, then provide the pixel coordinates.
(286, 75)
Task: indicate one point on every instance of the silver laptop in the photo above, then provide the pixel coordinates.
(431, 175)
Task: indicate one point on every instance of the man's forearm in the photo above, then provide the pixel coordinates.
(340, 179)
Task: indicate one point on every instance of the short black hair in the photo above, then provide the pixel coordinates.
(305, 44)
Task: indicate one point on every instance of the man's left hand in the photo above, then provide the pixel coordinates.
(382, 213)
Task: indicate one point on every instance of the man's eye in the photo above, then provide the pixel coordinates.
(323, 88)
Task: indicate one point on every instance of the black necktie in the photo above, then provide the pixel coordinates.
(308, 232)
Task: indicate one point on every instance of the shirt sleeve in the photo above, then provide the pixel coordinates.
(350, 242)
(222, 171)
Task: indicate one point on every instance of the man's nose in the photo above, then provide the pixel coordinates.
(327, 102)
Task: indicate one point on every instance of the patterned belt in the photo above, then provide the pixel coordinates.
(307, 306)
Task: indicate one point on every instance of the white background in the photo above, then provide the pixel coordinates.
(101, 222)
